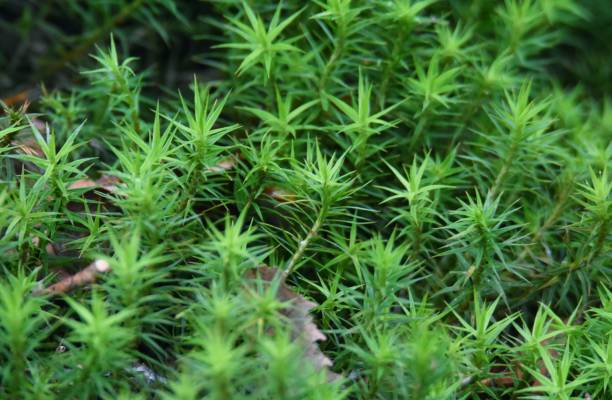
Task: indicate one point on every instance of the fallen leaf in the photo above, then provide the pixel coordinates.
(280, 194)
(297, 312)
(82, 184)
(505, 378)
(28, 147)
(21, 97)
(223, 165)
(106, 182)
(49, 248)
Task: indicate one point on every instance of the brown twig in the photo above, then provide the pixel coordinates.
(85, 276)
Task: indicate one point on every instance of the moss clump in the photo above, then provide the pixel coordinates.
(427, 182)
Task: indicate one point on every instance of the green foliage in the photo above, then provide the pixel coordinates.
(435, 175)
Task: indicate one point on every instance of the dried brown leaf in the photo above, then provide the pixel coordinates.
(28, 147)
(49, 248)
(106, 182)
(507, 378)
(17, 98)
(223, 165)
(22, 97)
(303, 328)
(279, 194)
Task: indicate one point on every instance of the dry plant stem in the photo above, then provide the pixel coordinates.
(303, 245)
(86, 276)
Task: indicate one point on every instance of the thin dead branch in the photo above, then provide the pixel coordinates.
(84, 277)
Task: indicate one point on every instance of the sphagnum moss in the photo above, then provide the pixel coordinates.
(433, 177)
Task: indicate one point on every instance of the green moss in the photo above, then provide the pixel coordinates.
(435, 175)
